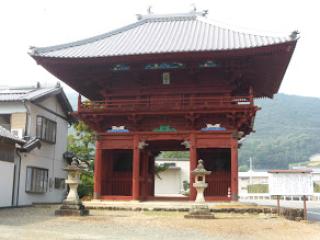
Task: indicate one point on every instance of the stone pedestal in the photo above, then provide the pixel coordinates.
(71, 209)
(72, 205)
(200, 211)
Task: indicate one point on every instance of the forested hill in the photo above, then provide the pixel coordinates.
(287, 131)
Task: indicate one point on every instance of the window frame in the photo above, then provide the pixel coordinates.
(42, 129)
(31, 183)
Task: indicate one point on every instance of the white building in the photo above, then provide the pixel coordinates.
(250, 178)
(32, 113)
(172, 179)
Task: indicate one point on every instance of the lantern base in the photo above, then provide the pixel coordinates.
(200, 211)
(69, 209)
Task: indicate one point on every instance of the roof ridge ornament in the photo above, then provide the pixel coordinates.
(149, 10)
(294, 35)
(194, 8)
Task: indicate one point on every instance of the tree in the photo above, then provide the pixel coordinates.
(81, 143)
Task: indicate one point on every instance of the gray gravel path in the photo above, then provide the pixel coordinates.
(40, 223)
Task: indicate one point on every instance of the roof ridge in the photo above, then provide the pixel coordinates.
(182, 16)
(35, 51)
(240, 38)
(142, 19)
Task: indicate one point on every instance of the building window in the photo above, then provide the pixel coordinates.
(36, 180)
(59, 183)
(46, 129)
(7, 152)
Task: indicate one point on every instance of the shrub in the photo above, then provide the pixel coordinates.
(316, 187)
(258, 188)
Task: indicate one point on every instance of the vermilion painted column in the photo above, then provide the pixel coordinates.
(193, 164)
(136, 169)
(97, 171)
(234, 170)
(145, 167)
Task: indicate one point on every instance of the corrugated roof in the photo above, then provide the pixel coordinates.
(4, 133)
(154, 34)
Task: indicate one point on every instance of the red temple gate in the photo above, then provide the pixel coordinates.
(169, 83)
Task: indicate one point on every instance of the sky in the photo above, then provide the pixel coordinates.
(44, 23)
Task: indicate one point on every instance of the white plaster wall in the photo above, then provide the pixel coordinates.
(171, 181)
(6, 183)
(48, 157)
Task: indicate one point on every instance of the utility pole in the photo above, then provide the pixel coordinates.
(250, 170)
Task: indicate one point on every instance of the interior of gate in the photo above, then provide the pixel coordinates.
(217, 160)
(117, 170)
(117, 175)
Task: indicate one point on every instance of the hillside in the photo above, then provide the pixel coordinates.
(287, 131)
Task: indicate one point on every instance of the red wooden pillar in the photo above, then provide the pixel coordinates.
(152, 172)
(98, 171)
(136, 169)
(234, 169)
(145, 175)
(193, 164)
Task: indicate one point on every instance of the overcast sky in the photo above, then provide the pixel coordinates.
(43, 23)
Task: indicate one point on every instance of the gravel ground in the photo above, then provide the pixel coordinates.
(40, 223)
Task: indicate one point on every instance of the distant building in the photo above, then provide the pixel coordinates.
(38, 115)
(250, 178)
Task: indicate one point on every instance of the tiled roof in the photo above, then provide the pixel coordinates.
(4, 133)
(37, 93)
(12, 94)
(154, 34)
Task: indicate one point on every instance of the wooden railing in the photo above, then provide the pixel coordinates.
(164, 103)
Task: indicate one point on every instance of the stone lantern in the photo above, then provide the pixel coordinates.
(72, 205)
(200, 209)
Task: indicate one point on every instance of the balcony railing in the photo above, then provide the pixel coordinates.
(163, 103)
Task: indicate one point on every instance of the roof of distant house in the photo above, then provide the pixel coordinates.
(35, 94)
(6, 134)
(291, 171)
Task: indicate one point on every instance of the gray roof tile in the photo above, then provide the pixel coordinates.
(161, 34)
(12, 94)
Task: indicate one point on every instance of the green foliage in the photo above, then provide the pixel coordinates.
(81, 143)
(258, 188)
(186, 186)
(159, 168)
(86, 187)
(316, 187)
(174, 154)
(287, 131)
